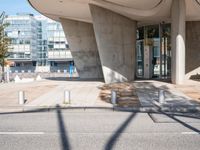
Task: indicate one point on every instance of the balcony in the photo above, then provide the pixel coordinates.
(60, 55)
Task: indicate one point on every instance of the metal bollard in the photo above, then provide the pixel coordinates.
(161, 96)
(21, 97)
(67, 99)
(113, 97)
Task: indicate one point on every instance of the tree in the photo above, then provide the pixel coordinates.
(4, 44)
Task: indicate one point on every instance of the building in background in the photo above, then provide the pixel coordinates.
(38, 44)
(23, 30)
(58, 48)
(42, 58)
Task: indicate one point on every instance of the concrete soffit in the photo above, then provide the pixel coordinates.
(144, 11)
(131, 12)
(79, 9)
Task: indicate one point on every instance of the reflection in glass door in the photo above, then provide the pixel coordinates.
(156, 59)
(165, 51)
(153, 52)
(140, 58)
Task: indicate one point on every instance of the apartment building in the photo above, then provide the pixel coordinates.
(38, 44)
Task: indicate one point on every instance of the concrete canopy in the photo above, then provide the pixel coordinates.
(115, 23)
(139, 10)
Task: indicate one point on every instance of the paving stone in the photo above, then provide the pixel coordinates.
(126, 94)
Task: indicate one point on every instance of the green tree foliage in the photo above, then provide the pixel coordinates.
(4, 44)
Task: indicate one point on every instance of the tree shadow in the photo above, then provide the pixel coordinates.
(63, 133)
(113, 140)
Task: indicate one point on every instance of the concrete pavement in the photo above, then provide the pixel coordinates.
(107, 130)
(50, 93)
(82, 94)
(148, 92)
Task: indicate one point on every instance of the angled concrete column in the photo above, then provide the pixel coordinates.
(116, 40)
(81, 38)
(178, 12)
(192, 48)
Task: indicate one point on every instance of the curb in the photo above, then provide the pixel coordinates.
(158, 107)
(177, 108)
(24, 109)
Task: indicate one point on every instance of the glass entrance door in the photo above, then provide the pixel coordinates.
(140, 58)
(165, 51)
(153, 52)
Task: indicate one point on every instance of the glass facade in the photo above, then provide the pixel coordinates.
(21, 30)
(36, 39)
(42, 59)
(57, 44)
(153, 51)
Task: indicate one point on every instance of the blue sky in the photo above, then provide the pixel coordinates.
(11, 7)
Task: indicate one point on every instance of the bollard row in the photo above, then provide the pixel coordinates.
(21, 97)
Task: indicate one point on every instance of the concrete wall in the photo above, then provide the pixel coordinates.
(192, 48)
(116, 40)
(81, 39)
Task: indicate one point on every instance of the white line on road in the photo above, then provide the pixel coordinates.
(191, 133)
(22, 133)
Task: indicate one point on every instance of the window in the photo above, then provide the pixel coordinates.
(153, 31)
(140, 33)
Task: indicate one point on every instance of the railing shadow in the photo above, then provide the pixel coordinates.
(63, 133)
(112, 141)
(182, 122)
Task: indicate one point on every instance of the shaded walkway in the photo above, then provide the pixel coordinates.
(147, 92)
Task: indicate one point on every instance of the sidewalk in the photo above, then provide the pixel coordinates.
(50, 93)
(82, 94)
(148, 92)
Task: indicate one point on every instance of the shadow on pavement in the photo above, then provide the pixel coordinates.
(63, 132)
(182, 123)
(113, 140)
(148, 88)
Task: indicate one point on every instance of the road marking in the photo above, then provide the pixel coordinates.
(191, 133)
(22, 133)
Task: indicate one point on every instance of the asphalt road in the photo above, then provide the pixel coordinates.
(98, 130)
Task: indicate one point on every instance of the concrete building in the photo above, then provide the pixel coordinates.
(42, 58)
(38, 44)
(121, 40)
